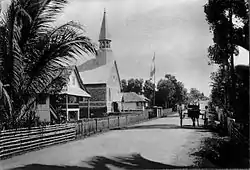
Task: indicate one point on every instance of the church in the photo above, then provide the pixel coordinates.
(101, 78)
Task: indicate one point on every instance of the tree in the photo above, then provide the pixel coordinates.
(124, 85)
(34, 54)
(180, 93)
(135, 85)
(195, 94)
(218, 17)
(229, 22)
(148, 89)
(166, 90)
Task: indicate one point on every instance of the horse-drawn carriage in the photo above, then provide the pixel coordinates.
(194, 113)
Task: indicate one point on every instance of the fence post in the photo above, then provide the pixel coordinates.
(126, 120)
(76, 130)
(84, 128)
(81, 131)
(0, 149)
(108, 122)
(96, 125)
(118, 121)
(41, 145)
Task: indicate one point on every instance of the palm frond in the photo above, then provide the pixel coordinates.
(42, 13)
(10, 53)
(5, 100)
(56, 51)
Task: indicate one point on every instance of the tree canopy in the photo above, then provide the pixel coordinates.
(132, 85)
(218, 17)
(229, 23)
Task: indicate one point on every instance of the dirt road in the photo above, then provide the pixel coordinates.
(156, 144)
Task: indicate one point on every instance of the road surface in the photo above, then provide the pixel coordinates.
(156, 144)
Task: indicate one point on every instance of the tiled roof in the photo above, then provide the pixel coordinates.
(98, 75)
(132, 97)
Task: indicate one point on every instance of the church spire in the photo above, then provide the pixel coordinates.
(104, 37)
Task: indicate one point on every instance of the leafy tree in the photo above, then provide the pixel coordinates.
(124, 85)
(195, 94)
(166, 89)
(229, 22)
(148, 89)
(34, 53)
(135, 85)
(218, 17)
(180, 93)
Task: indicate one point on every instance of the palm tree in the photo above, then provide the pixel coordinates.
(34, 54)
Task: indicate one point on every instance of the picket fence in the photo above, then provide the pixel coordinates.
(18, 141)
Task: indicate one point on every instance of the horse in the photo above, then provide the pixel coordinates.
(194, 113)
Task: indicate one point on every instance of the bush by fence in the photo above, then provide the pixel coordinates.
(13, 142)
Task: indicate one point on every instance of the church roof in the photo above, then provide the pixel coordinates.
(104, 35)
(98, 75)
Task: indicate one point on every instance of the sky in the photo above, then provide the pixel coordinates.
(175, 30)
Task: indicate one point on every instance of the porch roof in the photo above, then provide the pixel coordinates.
(76, 91)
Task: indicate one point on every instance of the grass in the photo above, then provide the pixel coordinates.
(223, 152)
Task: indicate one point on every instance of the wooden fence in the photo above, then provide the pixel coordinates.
(18, 141)
(235, 134)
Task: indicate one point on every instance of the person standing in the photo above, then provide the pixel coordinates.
(205, 116)
(179, 109)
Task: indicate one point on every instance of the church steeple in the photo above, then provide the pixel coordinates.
(104, 37)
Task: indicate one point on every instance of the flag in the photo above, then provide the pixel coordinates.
(152, 71)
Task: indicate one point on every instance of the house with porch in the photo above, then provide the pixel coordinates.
(65, 105)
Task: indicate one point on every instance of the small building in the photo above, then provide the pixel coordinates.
(64, 106)
(133, 102)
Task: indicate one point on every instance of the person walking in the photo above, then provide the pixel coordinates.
(179, 109)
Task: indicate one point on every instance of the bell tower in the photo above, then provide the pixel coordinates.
(105, 54)
(104, 37)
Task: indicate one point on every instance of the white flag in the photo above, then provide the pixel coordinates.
(152, 71)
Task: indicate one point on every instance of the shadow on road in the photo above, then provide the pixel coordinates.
(166, 126)
(134, 161)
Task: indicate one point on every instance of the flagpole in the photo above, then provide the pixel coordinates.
(154, 80)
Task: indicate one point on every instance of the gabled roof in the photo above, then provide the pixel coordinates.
(82, 91)
(99, 75)
(132, 97)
